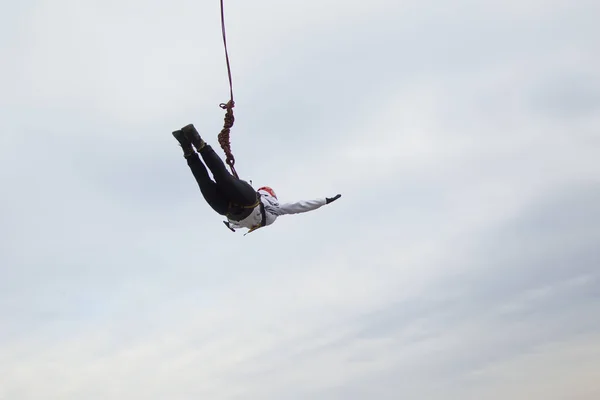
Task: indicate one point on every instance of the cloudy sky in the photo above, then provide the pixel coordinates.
(462, 262)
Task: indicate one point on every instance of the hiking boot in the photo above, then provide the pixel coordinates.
(185, 143)
(193, 136)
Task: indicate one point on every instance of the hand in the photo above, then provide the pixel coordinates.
(331, 199)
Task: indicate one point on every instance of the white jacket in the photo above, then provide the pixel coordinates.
(274, 209)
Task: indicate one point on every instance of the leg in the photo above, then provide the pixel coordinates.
(210, 191)
(238, 191)
(213, 196)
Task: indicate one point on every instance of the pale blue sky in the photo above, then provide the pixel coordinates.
(462, 261)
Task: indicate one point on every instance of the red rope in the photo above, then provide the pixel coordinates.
(224, 140)
(226, 53)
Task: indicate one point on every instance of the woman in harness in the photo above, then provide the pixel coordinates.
(234, 198)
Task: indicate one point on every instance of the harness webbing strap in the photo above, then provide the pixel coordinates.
(263, 219)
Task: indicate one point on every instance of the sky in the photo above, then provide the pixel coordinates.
(461, 262)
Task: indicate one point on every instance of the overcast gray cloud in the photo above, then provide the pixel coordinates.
(461, 262)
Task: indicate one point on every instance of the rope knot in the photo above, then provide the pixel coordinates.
(224, 134)
(227, 106)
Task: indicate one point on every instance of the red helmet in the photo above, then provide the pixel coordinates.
(268, 190)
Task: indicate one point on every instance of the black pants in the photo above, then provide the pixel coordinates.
(225, 188)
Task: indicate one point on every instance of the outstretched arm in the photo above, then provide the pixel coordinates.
(305, 205)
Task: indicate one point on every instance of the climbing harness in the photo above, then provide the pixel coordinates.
(229, 119)
(246, 211)
(238, 212)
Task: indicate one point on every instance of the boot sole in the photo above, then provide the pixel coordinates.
(192, 135)
(181, 138)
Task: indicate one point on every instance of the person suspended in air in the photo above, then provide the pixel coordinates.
(232, 197)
